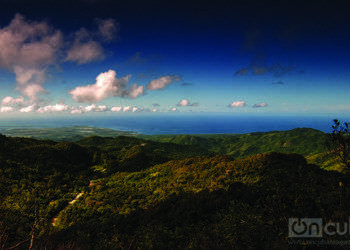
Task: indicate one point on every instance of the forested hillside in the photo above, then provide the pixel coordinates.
(63, 134)
(304, 141)
(126, 192)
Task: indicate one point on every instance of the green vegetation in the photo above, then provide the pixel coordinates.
(304, 141)
(171, 192)
(339, 142)
(64, 134)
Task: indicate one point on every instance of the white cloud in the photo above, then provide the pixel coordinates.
(53, 108)
(260, 105)
(154, 110)
(116, 109)
(76, 111)
(162, 82)
(27, 109)
(6, 109)
(126, 109)
(173, 109)
(9, 100)
(90, 108)
(237, 104)
(185, 102)
(101, 108)
(94, 108)
(107, 85)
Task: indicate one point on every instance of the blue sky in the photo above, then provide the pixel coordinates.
(247, 57)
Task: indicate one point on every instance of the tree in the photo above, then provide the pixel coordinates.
(339, 141)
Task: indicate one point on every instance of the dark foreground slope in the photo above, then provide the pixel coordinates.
(187, 200)
(38, 178)
(204, 203)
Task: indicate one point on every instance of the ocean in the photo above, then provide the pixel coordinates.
(175, 123)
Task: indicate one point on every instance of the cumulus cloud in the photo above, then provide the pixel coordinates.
(94, 108)
(102, 89)
(9, 100)
(27, 109)
(6, 109)
(53, 108)
(76, 111)
(29, 48)
(107, 85)
(162, 82)
(237, 104)
(126, 109)
(185, 102)
(260, 105)
(173, 109)
(116, 109)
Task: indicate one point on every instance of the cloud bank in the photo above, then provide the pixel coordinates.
(53, 108)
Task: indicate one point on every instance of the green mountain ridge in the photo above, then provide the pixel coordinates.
(305, 141)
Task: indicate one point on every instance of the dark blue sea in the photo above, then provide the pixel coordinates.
(175, 123)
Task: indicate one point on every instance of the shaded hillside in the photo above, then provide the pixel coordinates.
(204, 203)
(133, 154)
